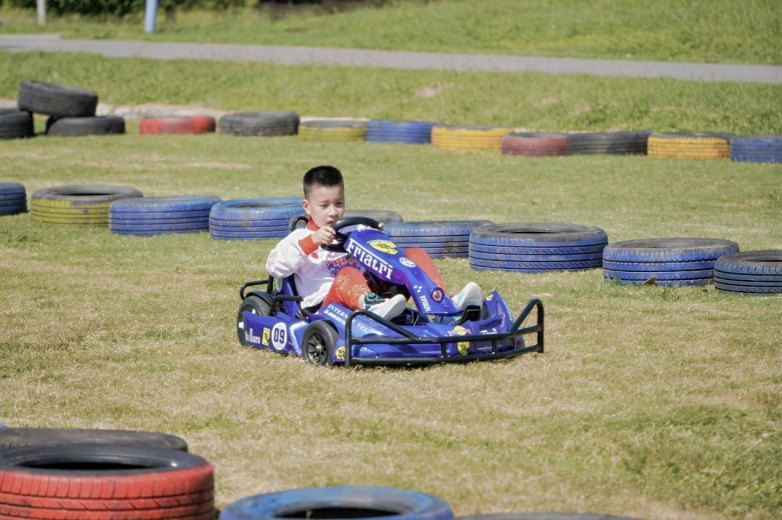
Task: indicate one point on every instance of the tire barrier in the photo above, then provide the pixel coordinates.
(18, 437)
(469, 137)
(176, 125)
(534, 144)
(339, 502)
(404, 132)
(381, 216)
(271, 123)
(333, 130)
(161, 215)
(253, 219)
(16, 124)
(536, 247)
(690, 145)
(665, 261)
(84, 126)
(13, 198)
(104, 482)
(441, 239)
(611, 143)
(56, 100)
(78, 205)
(756, 148)
(758, 272)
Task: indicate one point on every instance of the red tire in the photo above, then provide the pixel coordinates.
(534, 144)
(196, 510)
(177, 125)
(112, 504)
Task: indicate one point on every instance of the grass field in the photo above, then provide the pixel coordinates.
(718, 31)
(649, 402)
(542, 102)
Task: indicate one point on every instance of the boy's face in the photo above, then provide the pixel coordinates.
(325, 204)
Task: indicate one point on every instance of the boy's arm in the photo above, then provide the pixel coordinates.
(290, 254)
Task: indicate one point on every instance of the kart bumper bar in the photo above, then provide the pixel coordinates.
(409, 339)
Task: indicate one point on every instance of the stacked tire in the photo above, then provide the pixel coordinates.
(536, 247)
(71, 110)
(253, 219)
(469, 137)
(17, 437)
(756, 148)
(333, 130)
(176, 125)
(104, 482)
(161, 215)
(404, 132)
(610, 143)
(78, 205)
(689, 145)
(665, 261)
(13, 198)
(15, 124)
(755, 272)
(534, 144)
(441, 239)
(266, 124)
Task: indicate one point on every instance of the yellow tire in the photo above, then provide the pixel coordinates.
(689, 146)
(333, 130)
(77, 205)
(469, 137)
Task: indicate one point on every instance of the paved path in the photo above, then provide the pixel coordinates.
(393, 60)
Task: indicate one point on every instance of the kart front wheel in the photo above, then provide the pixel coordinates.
(254, 305)
(318, 343)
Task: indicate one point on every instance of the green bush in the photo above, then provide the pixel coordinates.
(122, 7)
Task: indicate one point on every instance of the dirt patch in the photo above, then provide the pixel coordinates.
(432, 91)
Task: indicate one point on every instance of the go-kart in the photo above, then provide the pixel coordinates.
(434, 331)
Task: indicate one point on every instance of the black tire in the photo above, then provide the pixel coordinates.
(18, 437)
(254, 305)
(271, 123)
(318, 343)
(669, 250)
(16, 124)
(613, 143)
(340, 502)
(56, 100)
(84, 126)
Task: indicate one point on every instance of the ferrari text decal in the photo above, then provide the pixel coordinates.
(367, 258)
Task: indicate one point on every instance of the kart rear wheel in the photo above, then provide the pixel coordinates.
(318, 343)
(254, 305)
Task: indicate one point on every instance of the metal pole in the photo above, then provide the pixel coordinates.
(40, 6)
(150, 16)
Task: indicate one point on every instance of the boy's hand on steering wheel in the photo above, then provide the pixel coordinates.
(323, 236)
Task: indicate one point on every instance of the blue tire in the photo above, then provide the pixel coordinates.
(578, 257)
(339, 502)
(534, 266)
(669, 250)
(667, 276)
(164, 204)
(756, 148)
(539, 234)
(256, 209)
(404, 132)
(13, 209)
(757, 272)
(658, 266)
(201, 221)
(159, 215)
(12, 189)
(258, 235)
(187, 226)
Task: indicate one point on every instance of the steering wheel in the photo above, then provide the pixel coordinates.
(338, 245)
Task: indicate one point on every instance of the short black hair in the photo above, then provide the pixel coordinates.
(324, 175)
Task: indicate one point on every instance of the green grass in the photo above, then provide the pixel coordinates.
(534, 101)
(719, 31)
(649, 402)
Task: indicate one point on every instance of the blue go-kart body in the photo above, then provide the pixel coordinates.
(434, 330)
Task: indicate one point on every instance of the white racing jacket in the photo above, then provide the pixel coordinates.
(313, 269)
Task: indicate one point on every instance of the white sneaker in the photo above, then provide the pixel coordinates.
(390, 308)
(470, 295)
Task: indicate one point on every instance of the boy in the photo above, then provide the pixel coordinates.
(322, 276)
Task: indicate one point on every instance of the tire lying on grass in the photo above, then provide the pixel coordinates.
(756, 148)
(690, 145)
(271, 123)
(176, 125)
(333, 130)
(84, 126)
(253, 219)
(17, 437)
(380, 215)
(535, 247)
(340, 502)
(665, 261)
(758, 272)
(441, 239)
(612, 143)
(161, 215)
(16, 124)
(56, 100)
(13, 198)
(469, 137)
(78, 205)
(403, 132)
(111, 482)
(534, 144)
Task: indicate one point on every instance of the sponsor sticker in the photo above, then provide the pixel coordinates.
(406, 262)
(266, 335)
(250, 337)
(437, 295)
(463, 346)
(341, 353)
(425, 303)
(279, 336)
(384, 246)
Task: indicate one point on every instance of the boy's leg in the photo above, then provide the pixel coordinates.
(425, 262)
(348, 287)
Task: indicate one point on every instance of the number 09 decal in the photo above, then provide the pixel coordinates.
(279, 336)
